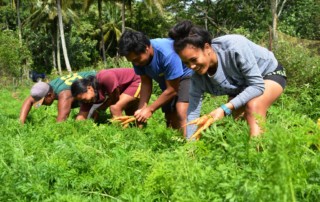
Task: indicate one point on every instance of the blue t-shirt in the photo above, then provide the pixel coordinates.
(165, 64)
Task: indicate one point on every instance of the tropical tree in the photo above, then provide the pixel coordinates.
(44, 14)
(276, 8)
(301, 18)
(86, 6)
(16, 4)
(63, 41)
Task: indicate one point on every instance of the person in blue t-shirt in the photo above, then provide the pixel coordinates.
(156, 59)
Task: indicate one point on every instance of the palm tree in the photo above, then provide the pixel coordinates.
(63, 42)
(87, 4)
(110, 31)
(46, 12)
(17, 6)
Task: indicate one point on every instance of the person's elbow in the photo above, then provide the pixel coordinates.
(62, 118)
(260, 89)
(82, 116)
(171, 92)
(79, 118)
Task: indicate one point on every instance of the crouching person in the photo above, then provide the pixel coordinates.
(46, 93)
(117, 88)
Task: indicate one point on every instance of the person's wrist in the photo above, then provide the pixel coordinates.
(209, 116)
(151, 109)
(226, 110)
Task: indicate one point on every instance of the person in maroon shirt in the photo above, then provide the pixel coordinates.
(117, 88)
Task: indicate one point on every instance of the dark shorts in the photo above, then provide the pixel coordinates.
(278, 75)
(75, 104)
(183, 95)
(134, 88)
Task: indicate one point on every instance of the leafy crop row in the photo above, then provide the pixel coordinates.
(82, 161)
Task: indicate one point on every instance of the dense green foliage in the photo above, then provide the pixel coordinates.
(13, 56)
(303, 70)
(40, 33)
(82, 161)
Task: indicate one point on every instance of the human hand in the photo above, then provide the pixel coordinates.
(142, 115)
(205, 121)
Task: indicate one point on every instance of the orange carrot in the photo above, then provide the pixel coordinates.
(128, 120)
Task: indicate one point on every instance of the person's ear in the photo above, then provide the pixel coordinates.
(49, 94)
(90, 88)
(207, 48)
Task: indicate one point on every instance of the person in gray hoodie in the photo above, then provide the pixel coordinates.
(231, 65)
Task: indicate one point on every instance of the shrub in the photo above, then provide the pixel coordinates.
(13, 57)
(303, 71)
(302, 66)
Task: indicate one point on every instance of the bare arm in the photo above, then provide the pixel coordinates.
(25, 109)
(113, 98)
(145, 113)
(145, 92)
(65, 100)
(82, 115)
(166, 95)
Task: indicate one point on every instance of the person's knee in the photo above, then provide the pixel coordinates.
(115, 109)
(181, 111)
(253, 107)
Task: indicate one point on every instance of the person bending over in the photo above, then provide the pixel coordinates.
(156, 59)
(58, 89)
(228, 65)
(117, 88)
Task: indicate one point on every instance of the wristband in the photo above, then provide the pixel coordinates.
(226, 110)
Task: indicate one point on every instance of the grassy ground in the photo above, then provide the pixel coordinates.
(82, 161)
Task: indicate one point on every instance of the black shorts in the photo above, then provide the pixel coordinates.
(278, 75)
(75, 104)
(183, 95)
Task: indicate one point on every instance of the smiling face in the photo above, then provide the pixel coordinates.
(88, 96)
(140, 59)
(197, 59)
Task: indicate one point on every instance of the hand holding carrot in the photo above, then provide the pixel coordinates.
(203, 123)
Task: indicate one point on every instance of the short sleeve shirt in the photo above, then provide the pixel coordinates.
(111, 79)
(64, 83)
(165, 64)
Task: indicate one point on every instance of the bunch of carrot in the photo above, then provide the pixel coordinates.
(124, 120)
(203, 123)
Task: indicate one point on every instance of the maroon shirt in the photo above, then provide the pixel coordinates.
(109, 79)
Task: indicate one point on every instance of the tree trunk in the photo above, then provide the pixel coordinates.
(63, 42)
(17, 2)
(58, 51)
(53, 50)
(102, 46)
(274, 5)
(123, 17)
(19, 21)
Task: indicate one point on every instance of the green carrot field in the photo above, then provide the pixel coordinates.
(83, 161)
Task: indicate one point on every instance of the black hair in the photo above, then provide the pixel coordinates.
(81, 86)
(185, 33)
(50, 89)
(133, 41)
